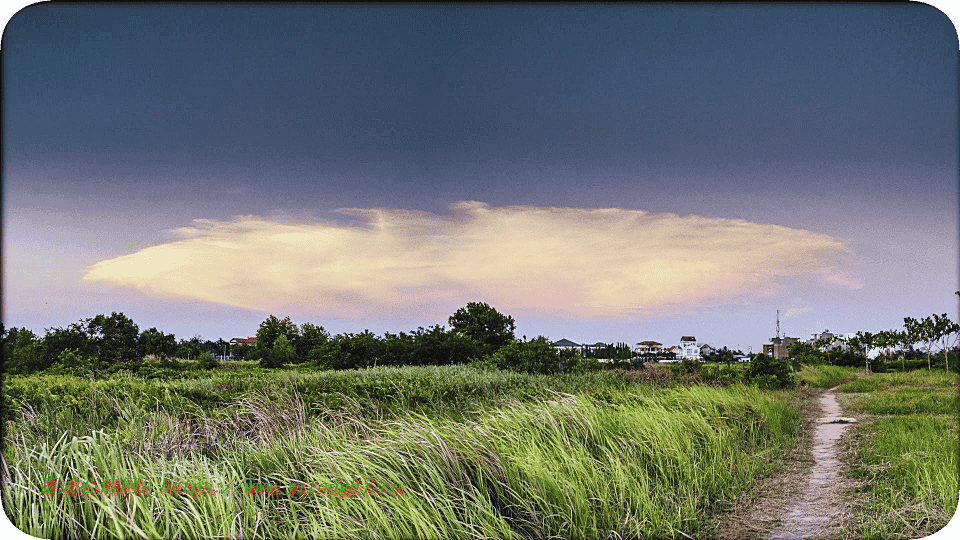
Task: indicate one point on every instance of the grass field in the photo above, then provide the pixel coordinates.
(478, 453)
(906, 454)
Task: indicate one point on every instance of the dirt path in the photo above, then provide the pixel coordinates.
(819, 512)
(801, 500)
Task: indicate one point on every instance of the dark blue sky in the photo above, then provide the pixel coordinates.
(839, 119)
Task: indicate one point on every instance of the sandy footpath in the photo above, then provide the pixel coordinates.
(802, 499)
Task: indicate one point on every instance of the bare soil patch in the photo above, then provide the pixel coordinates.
(804, 497)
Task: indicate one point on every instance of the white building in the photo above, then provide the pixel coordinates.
(689, 349)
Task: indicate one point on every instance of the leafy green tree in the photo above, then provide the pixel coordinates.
(310, 343)
(942, 333)
(58, 340)
(866, 340)
(346, 351)
(485, 325)
(398, 350)
(73, 362)
(114, 338)
(281, 353)
(270, 330)
(154, 342)
(25, 351)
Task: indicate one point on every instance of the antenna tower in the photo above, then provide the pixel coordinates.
(778, 326)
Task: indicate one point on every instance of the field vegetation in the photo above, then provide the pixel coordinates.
(479, 453)
(490, 436)
(906, 453)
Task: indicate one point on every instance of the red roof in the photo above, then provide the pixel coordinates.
(250, 341)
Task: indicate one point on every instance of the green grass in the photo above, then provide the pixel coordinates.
(826, 376)
(616, 457)
(908, 456)
(910, 393)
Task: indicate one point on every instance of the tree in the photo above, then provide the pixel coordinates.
(310, 344)
(156, 343)
(58, 340)
(115, 338)
(347, 351)
(886, 339)
(485, 325)
(929, 331)
(25, 352)
(270, 330)
(865, 339)
(281, 353)
(943, 332)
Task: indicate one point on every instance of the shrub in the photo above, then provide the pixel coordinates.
(207, 361)
(536, 356)
(687, 366)
(769, 372)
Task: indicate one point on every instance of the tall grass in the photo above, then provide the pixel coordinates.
(621, 460)
(824, 376)
(908, 457)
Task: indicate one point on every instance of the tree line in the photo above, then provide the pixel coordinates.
(477, 333)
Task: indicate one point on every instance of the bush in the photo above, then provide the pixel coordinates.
(207, 361)
(536, 356)
(687, 366)
(770, 373)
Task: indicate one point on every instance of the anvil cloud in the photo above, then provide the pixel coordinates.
(606, 262)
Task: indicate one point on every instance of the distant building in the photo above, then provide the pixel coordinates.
(778, 347)
(689, 349)
(565, 343)
(648, 347)
(593, 347)
(828, 340)
(243, 341)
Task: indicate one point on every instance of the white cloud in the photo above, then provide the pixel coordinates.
(567, 261)
(796, 311)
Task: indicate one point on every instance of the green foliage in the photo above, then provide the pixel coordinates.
(687, 367)
(73, 362)
(535, 356)
(58, 340)
(281, 353)
(572, 361)
(908, 457)
(485, 325)
(530, 468)
(310, 343)
(115, 339)
(270, 330)
(770, 373)
(207, 361)
(823, 376)
(346, 351)
(723, 355)
(156, 343)
(25, 352)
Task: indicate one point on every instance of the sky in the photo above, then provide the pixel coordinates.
(613, 173)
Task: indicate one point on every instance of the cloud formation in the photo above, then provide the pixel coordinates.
(577, 262)
(796, 311)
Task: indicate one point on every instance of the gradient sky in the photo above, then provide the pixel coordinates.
(601, 173)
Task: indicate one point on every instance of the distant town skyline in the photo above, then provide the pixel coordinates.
(599, 172)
